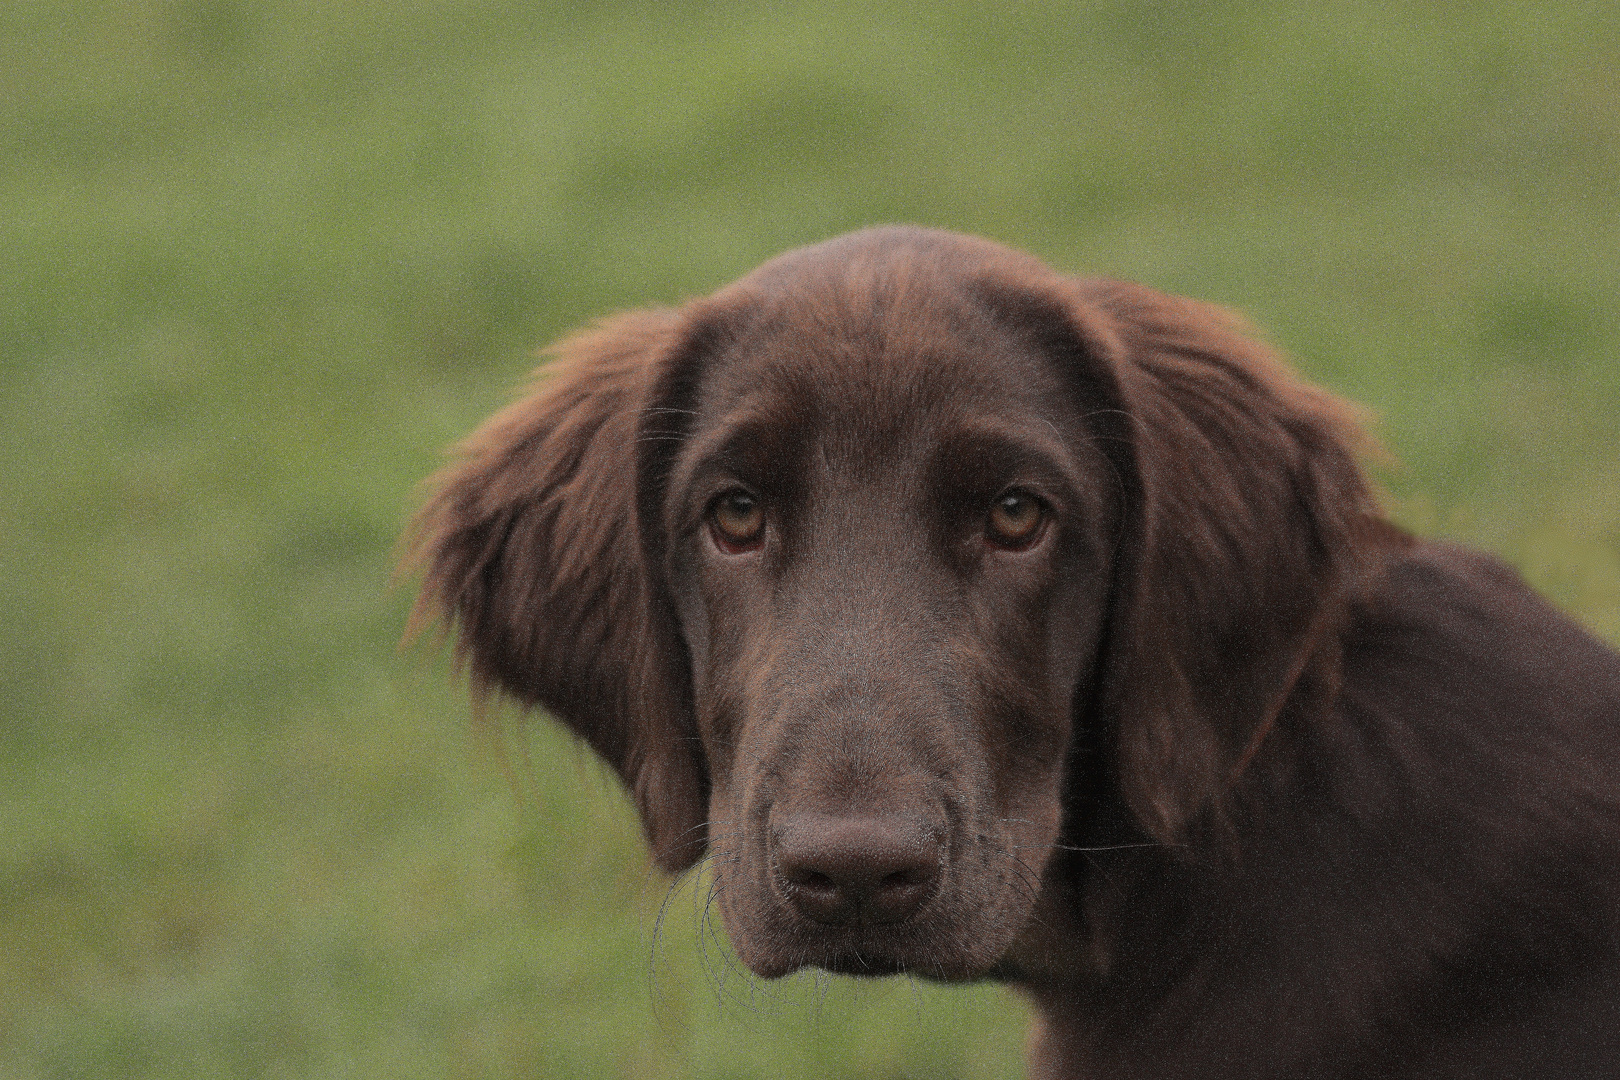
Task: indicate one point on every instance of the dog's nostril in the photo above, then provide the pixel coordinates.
(840, 869)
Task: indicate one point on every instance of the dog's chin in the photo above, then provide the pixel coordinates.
(865, 951)
(774, 964)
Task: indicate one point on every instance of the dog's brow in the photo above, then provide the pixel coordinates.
(758, 445)
(991, 434)
(995, 445)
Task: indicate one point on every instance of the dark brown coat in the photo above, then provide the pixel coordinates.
(980, 621)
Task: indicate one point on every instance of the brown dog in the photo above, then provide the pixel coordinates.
(980, 621)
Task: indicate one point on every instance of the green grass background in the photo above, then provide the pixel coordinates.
(259, 263)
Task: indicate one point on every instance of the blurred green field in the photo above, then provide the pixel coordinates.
(261, 262)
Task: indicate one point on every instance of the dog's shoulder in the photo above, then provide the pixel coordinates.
(1463, 635)
(1484, 727)
(1470, 632)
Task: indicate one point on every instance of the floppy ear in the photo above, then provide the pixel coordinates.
(1246, 519)
(1253, 519)
(530, 547)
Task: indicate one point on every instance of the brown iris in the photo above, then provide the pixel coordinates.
(738, 521)
(1015, 520)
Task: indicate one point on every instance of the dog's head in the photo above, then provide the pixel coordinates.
(879, 570)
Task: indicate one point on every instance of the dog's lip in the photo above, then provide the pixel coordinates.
(856, 963)
(928, 963)
(873, 951)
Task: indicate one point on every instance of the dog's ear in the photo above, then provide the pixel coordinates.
(1246, 519)
(530, 546)
(1252, 520)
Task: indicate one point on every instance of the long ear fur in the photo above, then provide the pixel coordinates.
(1254, 521)
(1247, 521)
(530, 546)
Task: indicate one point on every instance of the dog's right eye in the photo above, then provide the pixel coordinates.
(1015, 520)
(737, 521)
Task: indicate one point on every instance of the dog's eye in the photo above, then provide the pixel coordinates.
(1015, 520)
(738, 521)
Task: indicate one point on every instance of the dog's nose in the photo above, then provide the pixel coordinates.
(844, 869)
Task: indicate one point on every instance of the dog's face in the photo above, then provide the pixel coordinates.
(876, 569)
(889, 549)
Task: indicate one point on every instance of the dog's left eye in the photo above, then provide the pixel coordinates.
(1015, 520)
(738, 522)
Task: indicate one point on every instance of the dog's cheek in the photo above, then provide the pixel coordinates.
(1025, 807)
(739, 865)
(728, 869)
(1036, 820)
(755, 927)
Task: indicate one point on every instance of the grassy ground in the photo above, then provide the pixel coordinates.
(261, 261)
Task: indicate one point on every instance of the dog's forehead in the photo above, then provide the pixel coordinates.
(875, 355)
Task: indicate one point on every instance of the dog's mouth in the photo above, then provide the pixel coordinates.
(868, 951)
(855, 963)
